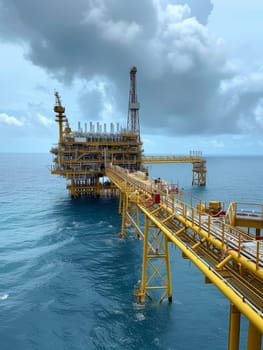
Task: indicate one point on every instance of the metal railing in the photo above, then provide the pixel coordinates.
(224, 236)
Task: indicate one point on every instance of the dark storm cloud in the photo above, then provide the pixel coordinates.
(181, 66)
(81, 37)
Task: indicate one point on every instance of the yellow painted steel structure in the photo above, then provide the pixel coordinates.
(229, 258)
(239, 216)
(226, 251)
(81, 156)
(199, 164)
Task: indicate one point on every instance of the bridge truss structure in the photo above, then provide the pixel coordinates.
(229, 257)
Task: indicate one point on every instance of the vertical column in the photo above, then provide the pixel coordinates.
(257, 233)
(137, 216)
(254, 338)
(124, 216)
(120, 202)
(168, 271)
(97, 187)
(234, 328)
(144, 261)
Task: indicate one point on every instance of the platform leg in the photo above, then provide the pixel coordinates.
(254, 338)
(234, 328)
(168, 271)
(144, 261)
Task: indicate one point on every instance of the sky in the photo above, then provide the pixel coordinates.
(199, 71)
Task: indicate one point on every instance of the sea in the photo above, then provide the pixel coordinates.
(67, 279)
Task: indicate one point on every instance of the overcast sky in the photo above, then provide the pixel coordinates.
(199, 78)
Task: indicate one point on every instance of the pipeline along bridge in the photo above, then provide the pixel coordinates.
(229, 257)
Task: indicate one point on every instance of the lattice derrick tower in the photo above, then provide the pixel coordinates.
(133, 124)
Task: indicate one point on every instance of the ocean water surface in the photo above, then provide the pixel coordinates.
(67, 279)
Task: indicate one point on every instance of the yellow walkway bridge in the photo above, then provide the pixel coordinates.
(195, 157)
(228, 256)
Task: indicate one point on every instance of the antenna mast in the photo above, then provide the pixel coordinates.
(134, 106)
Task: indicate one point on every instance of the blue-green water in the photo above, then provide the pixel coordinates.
(66, 279)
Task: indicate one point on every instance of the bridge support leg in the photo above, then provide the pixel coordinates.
(168, 272)
(73, 191)
(156, 275)
(199, 173)
(144, 261)
(234, 328)
(137, 216)
(254, 338)
(257, 233)
(120, 203)
(123, 206)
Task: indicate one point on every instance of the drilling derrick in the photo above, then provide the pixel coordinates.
(134, 106)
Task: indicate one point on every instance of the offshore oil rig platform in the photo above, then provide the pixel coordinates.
(225, 245)
(82, 156)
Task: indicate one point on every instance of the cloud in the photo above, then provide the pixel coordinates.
(200, 9)
(115, 31)
(10, 120)
(241, 101)
(97, 99)
(186, 84)
(47, 122)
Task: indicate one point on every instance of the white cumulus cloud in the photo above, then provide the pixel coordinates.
(47, 122)
(10, 120)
